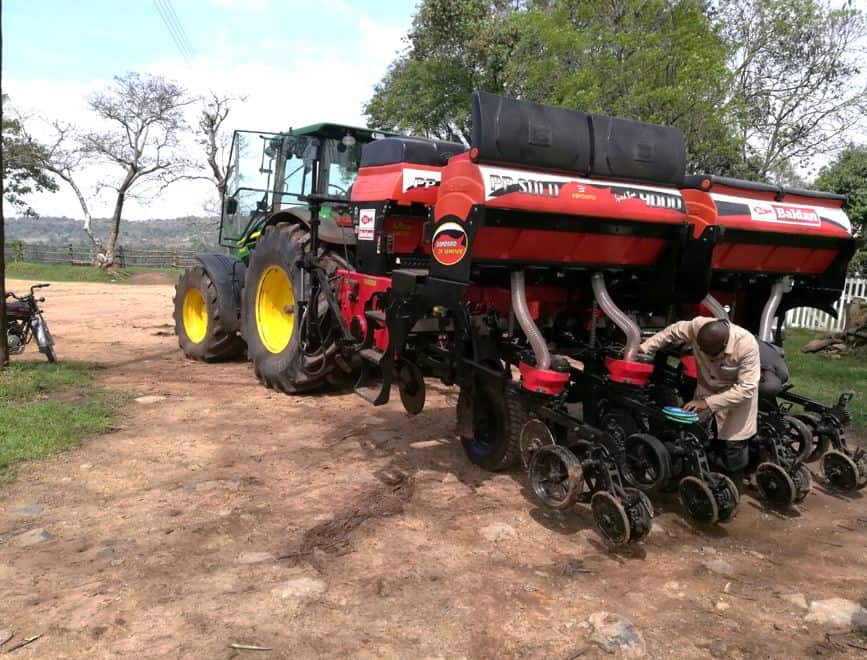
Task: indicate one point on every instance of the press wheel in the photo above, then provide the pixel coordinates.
(647, 463)
(698, 501)
(803, 481)
(842, 472)
(799, 437)
(555, 476)
(860, 459)
(610, 517)
(726, 495)
(821, 441)
(639, 511)
(775, 485)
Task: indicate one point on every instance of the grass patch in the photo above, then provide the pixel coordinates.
(48, 408)
(66, 273)
(817, 376)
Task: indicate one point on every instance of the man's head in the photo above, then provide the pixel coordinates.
(713, 337)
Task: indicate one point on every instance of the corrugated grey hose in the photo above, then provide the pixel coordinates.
(621, 319)
(715, 307)
(780, 287)
(525, 320)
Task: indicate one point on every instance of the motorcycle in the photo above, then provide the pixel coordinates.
(24, 321)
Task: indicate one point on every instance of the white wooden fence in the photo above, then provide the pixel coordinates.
(813, 319)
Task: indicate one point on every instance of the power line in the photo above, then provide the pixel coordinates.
(170, 29)
(180, 27)
(173, 31)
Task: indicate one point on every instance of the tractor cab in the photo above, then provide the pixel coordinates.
(269, 173)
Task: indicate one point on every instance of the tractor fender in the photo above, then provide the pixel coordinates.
(227, 274)
(329, 230)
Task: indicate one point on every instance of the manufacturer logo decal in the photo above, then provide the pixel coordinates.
(366, 224)
(762, 211)
(652, 198)
(450, 243)
(503, 185)
(415, 179)
(798, 215)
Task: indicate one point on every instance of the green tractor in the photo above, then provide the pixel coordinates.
(252, 298)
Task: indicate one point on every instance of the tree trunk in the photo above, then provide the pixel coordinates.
(216, 171)
(88, 219)
(111, 246)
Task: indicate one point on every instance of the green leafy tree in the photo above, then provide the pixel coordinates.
(796, 91)
(847, 175)
(455, 47)
(23, 170)
(653, 60)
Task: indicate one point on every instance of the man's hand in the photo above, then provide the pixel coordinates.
(696, 406)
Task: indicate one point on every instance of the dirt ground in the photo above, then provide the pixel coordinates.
(221, 513)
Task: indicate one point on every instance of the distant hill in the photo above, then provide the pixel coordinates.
(183, 233)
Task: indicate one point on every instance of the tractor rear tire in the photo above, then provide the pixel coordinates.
(202, 334)
(498, 417)
(270, 322)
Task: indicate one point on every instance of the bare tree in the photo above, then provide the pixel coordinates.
(145, 118)
(214, 140)
(63, 157)
(796, 66)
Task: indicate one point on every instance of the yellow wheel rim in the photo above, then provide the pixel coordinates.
(275, 309)
(195, 313)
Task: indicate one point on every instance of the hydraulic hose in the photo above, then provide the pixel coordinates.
(621, 319)
(715, 307)
(525, 320)
(780, 287)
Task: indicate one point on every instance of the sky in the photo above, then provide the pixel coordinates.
(296, 62)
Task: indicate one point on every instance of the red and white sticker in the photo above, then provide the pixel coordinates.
(788, 213)
(366, 224)
(450, 243)
(805, 215)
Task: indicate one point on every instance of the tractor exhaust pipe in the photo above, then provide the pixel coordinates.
(780, 287)
(620, 318)
(715, 307)
(525, 320)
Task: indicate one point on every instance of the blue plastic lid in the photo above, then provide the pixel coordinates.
(677, 410)
(678, 414)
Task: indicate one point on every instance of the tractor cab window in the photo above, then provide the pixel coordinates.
(340, 159)
(249, 176)
(334, 163)
(302, 154)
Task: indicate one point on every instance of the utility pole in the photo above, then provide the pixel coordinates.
(4, 345)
